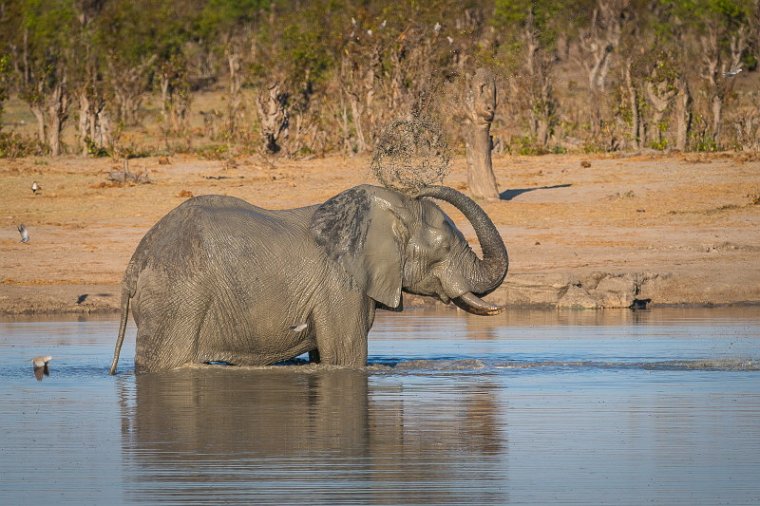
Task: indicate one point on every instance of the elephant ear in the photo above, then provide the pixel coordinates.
(361, 233)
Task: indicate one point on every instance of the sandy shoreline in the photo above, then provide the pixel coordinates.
(679, 229)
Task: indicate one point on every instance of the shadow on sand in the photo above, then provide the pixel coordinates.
(510, 194)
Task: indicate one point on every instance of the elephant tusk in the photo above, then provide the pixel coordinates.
(475, 305)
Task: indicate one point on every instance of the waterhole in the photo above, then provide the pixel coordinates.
(530, 407)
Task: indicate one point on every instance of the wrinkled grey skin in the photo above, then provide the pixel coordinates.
(220, 280)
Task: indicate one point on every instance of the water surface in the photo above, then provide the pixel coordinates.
(532, 407)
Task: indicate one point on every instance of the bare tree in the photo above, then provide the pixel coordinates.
(273, 116)
(636, 125)
(682, 114)
(480, 103)
(129, 83)
(542, 103)
(352, 90)
(596, 47)
(175, 94)
(233, 51)
(660, 92)
(716, 65)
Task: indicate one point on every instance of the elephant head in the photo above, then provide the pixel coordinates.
(386, 241)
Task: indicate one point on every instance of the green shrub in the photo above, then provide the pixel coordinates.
(15, 145)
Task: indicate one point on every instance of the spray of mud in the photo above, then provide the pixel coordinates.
(411, 154)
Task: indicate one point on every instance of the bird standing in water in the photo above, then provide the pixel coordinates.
(41, 366)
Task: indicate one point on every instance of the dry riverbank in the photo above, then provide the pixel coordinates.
(678, 229)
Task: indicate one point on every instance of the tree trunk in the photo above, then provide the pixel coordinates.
(539, 86)
(659, 96)
(481, 105)
(344, 125)
(634, 104)
(683, 115)
(356, 112)
(39, 114)
(94, 125)
(128, 83)
(273, 116)
(717, 116)
(84, 122)
(55, 138)
(711, 60)
(58, 111)
(597, 46)
(101, 129)
(165, 100)
(234, 100)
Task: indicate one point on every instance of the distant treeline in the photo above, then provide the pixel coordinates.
(315, 76)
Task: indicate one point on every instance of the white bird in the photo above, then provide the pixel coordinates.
(732, 72)
(437, 28)
(35, 187)
(451, 41)
(41, 366)
(24, 233)
(369, 32)
(298, 328)
(382, 25)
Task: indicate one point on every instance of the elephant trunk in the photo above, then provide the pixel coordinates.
(488, 273)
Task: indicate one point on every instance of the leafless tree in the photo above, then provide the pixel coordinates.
(631, 90)
(542, 103)
(480, 105)
(715, 66)
(273, 117)
(682, 113)
(596, 48)
(129, 84)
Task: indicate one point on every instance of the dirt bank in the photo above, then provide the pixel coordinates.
(582, 231)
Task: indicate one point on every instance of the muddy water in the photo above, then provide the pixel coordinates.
(658, 406)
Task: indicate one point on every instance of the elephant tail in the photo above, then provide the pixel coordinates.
(126, 296)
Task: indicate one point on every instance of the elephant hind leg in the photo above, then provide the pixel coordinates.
(166, 343)
(158, 352)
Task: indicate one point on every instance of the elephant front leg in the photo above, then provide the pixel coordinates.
(342, 336)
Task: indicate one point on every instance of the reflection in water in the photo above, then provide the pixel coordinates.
(284, 434)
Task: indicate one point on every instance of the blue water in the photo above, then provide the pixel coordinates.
(531, 407)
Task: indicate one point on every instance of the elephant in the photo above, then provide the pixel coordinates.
(219, 280)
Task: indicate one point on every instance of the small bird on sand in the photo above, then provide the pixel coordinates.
(41, 366)
(35, 187)
(24, 233)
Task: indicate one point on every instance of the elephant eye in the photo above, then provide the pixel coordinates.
(440, 242)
